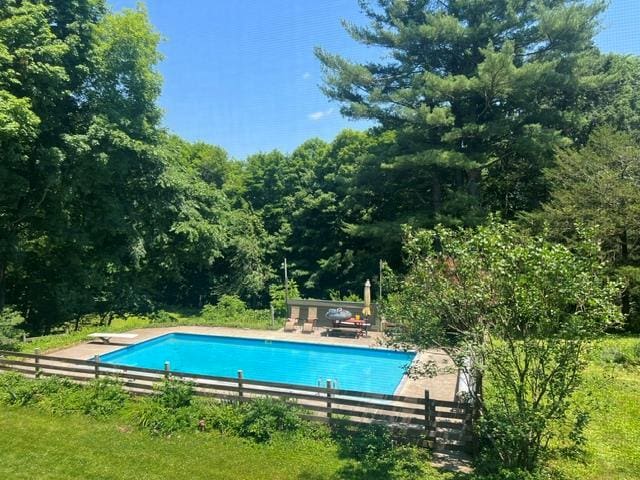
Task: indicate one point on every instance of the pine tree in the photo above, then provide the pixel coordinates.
(476, 95)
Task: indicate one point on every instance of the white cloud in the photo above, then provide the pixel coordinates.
(320, 115)
(306, 76)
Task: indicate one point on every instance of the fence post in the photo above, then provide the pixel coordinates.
(167, 370)
(37, 362)
(96, 367)
(467, 427)
(457, 390)
(329, 385)
(427, 412)
(273, 314)
(240, 377)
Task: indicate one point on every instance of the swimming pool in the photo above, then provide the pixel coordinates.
(351, 368)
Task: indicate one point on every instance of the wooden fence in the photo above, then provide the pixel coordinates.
(436, 423)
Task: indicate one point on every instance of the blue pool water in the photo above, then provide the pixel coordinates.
(352, 368)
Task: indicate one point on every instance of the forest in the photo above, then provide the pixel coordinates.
(480, 112)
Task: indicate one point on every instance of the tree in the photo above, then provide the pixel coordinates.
(476, 95)
(33, 84)
(311, 203)
(80, 175)
(281, 188)
(517, 314)
(10, 333)
(608, 95)
(211, 243)
(598, 186)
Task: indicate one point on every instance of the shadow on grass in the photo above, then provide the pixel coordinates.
(374, 453)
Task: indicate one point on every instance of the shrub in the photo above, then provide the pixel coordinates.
(59, 395)
(221, 416)
(264, 417)
(162, 316)
(516, 475)
(10, 383)
(377, 454)
(169, 411)
(231, 311)
(102, 397)
(174, 393)
(229, 306)
(98, 398)
(18, 390)
(10, 332)
(277, 296)
(152, 415)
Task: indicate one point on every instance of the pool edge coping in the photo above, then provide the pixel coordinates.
(403, 380)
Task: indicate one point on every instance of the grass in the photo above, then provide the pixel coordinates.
(613, 435)
(122, 324)
(38, 445)
(107, 450)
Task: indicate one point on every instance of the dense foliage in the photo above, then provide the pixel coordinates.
(518, 315)
(101, 211)
(10, 332)
(104, 212)
(598, 186)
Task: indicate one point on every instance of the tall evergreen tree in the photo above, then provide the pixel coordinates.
(477, 95)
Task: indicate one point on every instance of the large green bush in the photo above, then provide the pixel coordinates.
(154, 416)
(231, 311)
(225, 417)
(278, 297)
(264, 417)
(100, 397)
(10, 331)
(518, 314)
(378, 455)
(16, 389)
(174, 393)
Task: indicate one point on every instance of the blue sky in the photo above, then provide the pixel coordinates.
(241, 74)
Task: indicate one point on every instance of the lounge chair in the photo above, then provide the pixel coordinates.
(310, 324)
(291, 325)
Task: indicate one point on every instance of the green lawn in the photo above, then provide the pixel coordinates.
(613, 448)
(120, 324)
(35, 445)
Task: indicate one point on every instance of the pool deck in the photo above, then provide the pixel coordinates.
(441, 387)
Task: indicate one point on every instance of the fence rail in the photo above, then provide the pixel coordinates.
(442, 423)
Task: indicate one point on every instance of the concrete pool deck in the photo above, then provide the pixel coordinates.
(441, 387)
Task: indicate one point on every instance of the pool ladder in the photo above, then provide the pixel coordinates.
(322, 383)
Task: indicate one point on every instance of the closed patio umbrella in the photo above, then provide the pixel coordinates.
(366, 311)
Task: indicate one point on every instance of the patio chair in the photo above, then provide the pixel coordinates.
(312, 317)
(291, 325)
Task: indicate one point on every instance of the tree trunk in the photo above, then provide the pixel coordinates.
(3, 298)
(436, 193)
(624, 254)
(474, 184)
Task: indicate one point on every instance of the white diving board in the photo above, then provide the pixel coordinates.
(106, 337)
